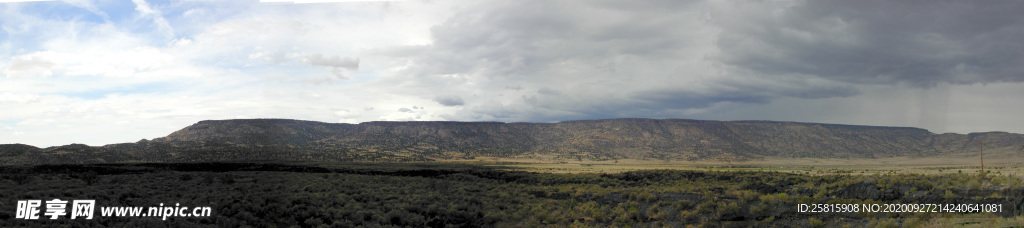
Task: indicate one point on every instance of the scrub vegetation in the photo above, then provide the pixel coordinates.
(464, 195)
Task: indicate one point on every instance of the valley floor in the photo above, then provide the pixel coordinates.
(1005, 162)
(466, 195)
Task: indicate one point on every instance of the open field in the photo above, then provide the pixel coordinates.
(1003, 162)
(519, 192)
(463, 195)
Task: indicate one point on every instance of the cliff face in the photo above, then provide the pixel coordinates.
(673, 139)
(670, 139)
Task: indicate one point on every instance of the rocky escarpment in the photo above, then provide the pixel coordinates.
(650, 139)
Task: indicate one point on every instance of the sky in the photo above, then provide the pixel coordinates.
(106, 71)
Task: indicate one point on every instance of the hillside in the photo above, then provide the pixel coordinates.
(645, 139)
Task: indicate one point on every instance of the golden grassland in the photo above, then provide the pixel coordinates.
(997, 161)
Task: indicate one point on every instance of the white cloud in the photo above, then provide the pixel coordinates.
(115, 63)
(87, 5)
(193, 12)
(324, 1)
(6, 97)
(337, 64)
(32, 65)
(148, 12)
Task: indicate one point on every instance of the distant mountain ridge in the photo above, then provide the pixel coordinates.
(658, 139)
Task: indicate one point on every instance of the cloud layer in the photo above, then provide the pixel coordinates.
(102, 72)
(876, 42)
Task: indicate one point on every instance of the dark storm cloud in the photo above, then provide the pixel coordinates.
(687, 99)
(684, 99)
(521, 38)
(877, 42)
(548, 91)
(660, 59)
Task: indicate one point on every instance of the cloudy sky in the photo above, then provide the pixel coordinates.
(107, 71)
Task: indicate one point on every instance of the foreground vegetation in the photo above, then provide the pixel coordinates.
(460, 195)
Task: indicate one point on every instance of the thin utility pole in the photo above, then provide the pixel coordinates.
(982, 152)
